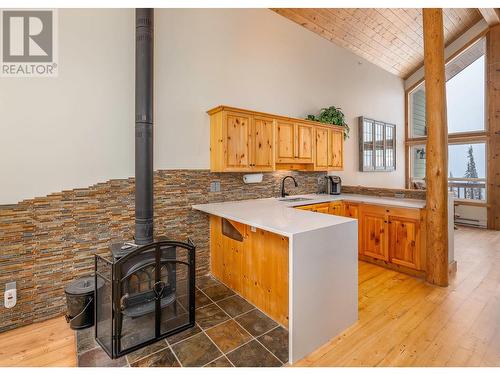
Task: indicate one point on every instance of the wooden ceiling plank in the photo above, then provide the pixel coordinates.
(415, 26)
(389, 38)
(398, 17)
(449, 26)
(341, 33)
(360, 22)
(378, 16)
(402, 32)
(306, 23)
(371, 21)
(373, 41)
(490, 15)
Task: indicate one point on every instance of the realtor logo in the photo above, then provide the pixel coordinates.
(28, 43)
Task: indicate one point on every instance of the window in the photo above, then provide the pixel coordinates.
(466, 169)
(465, 99)
(377, 145)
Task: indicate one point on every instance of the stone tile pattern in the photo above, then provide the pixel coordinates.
(249, 339)
(384, 192)
(47, 242)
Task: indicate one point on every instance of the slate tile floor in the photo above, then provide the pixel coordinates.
(229, 331)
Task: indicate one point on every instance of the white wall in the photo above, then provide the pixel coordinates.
(259, 60)
(77, 129)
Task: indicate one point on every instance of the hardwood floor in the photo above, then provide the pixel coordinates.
(48, 344)
(403, 321)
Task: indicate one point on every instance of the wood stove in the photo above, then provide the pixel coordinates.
(146, 295)
(147, 288)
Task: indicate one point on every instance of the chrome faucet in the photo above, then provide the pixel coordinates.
(283, 193)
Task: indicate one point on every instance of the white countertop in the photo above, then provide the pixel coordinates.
(280, 217)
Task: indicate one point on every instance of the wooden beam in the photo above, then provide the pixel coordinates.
(493, 111)
(490, 15)
(437, 148)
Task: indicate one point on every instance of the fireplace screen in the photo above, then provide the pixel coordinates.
(146, 295)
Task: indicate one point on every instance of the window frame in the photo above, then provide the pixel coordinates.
(385, 126)
(469, 137)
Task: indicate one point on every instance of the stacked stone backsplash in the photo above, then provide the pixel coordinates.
(47, 242)
(384, 192)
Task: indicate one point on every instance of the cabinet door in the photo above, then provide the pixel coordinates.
(237, 141)
(285, 143)
(335, 208)
(350, 210)
(262, 140)
(373, 235)
(336, 149)
(304, 144)
(404, 241)
(323, 208)
(306, 208)
(322, 154)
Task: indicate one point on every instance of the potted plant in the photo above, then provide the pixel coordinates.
(331, 115)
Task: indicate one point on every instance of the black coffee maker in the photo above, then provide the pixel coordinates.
(334, 185)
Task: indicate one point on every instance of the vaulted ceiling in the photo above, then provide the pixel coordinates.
(389, 38)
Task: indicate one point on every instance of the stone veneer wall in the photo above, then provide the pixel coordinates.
(384, 192)
(47, 242)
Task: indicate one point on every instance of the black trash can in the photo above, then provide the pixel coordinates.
(80, 302)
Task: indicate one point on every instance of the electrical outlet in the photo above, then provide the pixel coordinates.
(214, 186)
(10, 295)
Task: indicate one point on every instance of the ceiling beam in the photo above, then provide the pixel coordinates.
(490, 15)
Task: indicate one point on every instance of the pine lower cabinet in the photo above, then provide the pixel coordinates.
(253, 262)
(373, 232)
(388, 236)
(394, 236)
(350, 209)
(335, 208)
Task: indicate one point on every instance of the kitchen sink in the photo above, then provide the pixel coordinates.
(297, 199)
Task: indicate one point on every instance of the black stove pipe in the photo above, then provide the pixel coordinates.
(144, 126)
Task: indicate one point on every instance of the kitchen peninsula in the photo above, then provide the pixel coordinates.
(299, 267)
(296, 258)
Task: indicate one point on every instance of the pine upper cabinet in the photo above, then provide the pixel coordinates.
(329, 147)
(373, 238)
(237, 138)
(335, 149)
(322, 157)
(286, 139)
(305, 136)
(294, 143)
(241, 141)
(262, 141)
